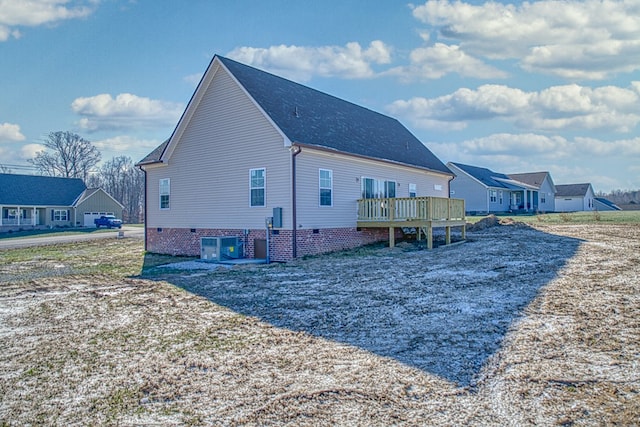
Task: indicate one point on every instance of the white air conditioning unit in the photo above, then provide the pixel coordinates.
(220, 248)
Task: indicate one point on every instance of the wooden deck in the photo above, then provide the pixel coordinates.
(422, 213)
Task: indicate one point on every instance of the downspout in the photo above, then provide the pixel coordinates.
(145, 207)
(295, 150)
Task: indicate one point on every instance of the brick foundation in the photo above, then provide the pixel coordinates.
(185, 241)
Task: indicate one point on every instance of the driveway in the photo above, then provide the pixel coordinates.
(51, 239)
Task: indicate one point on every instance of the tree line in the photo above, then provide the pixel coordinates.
(622, 197)
(69, 155)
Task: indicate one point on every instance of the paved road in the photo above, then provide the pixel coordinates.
(136, 232)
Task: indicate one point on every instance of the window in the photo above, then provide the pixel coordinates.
(257, 185)
(412, 190)
(377, 188)
(543, 197)
(60, 215)
(165, 193)
(500, 196)
(493, 196)
(326, 187)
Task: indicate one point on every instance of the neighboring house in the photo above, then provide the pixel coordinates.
(485, 191)
(31, 201)
(574, 197)
(602, 204)
(252, 146)
(544, 200)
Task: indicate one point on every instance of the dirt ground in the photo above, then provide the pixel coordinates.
(516, 326)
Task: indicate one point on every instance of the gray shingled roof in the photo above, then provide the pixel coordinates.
(310, 117)
(532, 178)
(608, 202)
(34, 190)
(571, 190)
(488, 177)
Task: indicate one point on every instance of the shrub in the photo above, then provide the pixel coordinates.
(566, 216)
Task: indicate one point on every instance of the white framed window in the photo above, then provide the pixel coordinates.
(165, 193)
(493, 196)
(60, 215)
(257, 187)
(325, 182)
(377, 188)
(413, 192)
(437, 187)
(500, 196)
(543, 197)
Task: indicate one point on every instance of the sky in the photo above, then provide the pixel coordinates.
(511, 86)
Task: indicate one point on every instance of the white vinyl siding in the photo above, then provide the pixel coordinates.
(325, 184)
(472, 191)
(226, 136)
(347, 173)
(165, 193)
(257, 187)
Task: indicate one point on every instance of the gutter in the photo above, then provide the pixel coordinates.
(146, 218)
(295, 150)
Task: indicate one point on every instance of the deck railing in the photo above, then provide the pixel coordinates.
(410, 209)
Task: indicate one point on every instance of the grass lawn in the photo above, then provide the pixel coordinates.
(614, 217)
(517, 326)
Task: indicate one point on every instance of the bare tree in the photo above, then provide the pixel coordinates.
(70, 156)
(120, 178)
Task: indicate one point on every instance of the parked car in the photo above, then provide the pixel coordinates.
(108, 221)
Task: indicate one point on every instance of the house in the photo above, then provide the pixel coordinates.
(544, 199)
(574, 197)
(31, 202)
(260, 157)
(485, 191)
(602, 204)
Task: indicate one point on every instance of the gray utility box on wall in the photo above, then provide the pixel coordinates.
(220, 248)
(277, 217)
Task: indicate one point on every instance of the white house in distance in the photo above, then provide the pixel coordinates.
(485, 191)
(574, 197)
(251, 146)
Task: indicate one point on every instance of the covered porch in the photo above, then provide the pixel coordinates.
(422, 213)
(525, 200)
(16, 216)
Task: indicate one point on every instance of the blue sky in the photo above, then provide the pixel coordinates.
(511, 86)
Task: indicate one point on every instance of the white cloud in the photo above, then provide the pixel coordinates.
(10, 132)
(103, 112)
(436, 61)
(126, 143)
(302, 62)
(518, 145)
(555, 108)
(193, 79)
(574, 39)
(28, 151)
(31, 13)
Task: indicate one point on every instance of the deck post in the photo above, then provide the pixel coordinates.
(447, 231)
(429, 236)
(392, 237)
